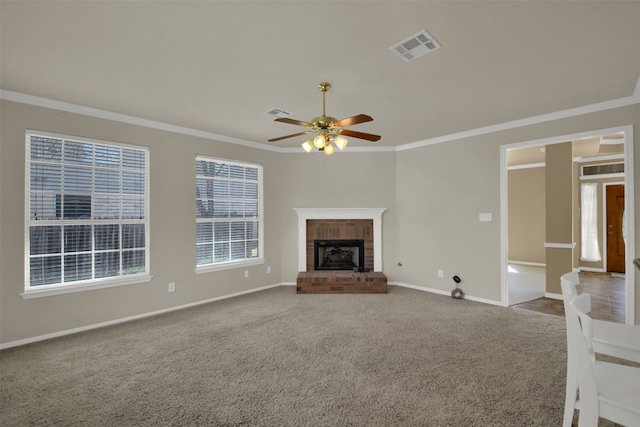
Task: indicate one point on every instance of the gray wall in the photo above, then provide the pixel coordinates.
(344, 180)
(433, 196)
(442, 188)
(172, 227)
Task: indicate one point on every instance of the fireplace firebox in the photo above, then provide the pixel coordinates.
(338, 254)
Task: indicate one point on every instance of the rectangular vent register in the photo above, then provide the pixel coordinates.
(415, 46)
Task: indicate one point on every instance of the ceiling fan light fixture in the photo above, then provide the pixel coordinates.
(319, 141)
(341, 142)
(328, 149)
(308, 145)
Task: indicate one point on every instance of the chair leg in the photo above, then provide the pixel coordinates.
(571, 394)
(589, 416)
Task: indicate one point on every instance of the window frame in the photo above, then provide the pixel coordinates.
(259, 219)
(589, 233)
(62, 287)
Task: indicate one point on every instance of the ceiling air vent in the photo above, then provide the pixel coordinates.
(603, 169)
(415, 46)
(277, 113)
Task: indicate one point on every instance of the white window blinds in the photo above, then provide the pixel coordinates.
(228, 211)
(86, 210)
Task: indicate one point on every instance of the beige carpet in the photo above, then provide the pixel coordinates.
(274, 358)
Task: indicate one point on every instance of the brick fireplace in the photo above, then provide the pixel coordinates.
(340, 225)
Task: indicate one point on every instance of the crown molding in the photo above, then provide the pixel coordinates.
(563, 114)
(123, 118)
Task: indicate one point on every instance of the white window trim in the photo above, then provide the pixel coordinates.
(200, 269)
(106, 282)
(229, 265)
(60, 290)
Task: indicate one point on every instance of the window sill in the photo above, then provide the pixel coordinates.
(37, 293)
(229, 265)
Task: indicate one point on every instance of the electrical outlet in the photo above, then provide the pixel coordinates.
(246, 273)
(172, 287)
(441, 273)
(268, 269)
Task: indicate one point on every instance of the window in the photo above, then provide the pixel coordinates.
(229, 225)
(590, 250)
(607, 169)
(86, 204)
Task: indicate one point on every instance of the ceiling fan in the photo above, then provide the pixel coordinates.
(330, 131)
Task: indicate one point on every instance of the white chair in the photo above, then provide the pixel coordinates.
(607, 390)
(613, 339)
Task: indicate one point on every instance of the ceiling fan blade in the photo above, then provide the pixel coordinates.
(294, 122)
(360, 118)
(289, 136)
(360, 135)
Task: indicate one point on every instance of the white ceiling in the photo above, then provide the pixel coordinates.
(217, 66)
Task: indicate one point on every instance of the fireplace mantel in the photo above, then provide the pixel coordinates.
(305, 214)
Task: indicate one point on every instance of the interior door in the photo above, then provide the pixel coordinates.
(615, 240)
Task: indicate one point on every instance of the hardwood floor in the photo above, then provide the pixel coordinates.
(607, 298)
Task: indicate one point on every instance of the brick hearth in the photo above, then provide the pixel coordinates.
(341, 282)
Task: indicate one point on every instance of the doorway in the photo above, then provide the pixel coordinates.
(624, 222)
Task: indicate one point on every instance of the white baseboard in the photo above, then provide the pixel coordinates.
(592, 269)
(552, 295)
(447, 293)
(127, 319)
(195, 304)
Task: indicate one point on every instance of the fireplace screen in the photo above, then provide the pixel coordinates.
(338, 254)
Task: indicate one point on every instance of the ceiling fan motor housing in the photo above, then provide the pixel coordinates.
(323, 122)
